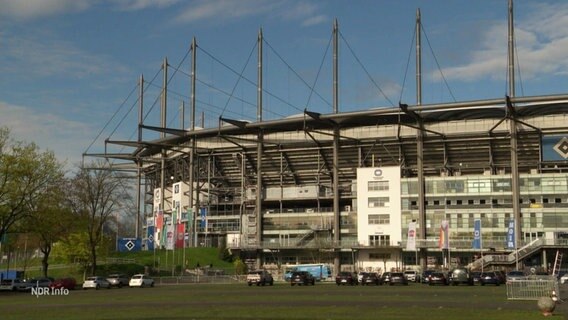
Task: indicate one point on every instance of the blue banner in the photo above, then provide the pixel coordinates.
(554, 148)
(150, 238)
(511, 235)
(477, 234)
(129, 244)
(203, 212)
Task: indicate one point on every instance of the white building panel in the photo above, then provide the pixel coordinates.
(378, 205)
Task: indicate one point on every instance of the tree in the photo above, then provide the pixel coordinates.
(97, 193)
(51, 220)
(25, 174)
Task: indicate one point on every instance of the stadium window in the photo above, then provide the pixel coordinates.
(382, 185)
(379, 219)
(378, 202)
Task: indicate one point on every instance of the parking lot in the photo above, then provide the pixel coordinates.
(281, 301)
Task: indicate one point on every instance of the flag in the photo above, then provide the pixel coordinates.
(129, 244)
(511, 234)
(411, 239)
(477, 234)
(444, 242)
(180, 234)
(169, 237)
(150, 238)
(160, 221)
(203, 217)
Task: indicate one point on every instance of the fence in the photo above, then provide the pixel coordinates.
(187, 279)
(532, 288)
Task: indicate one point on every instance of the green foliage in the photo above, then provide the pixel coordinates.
(26, 174)
(225, 254)
(75, 249)
(240, 267)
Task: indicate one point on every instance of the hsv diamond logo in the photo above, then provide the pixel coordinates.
(129, 245)
(562, 148)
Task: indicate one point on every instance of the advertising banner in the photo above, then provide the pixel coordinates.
(477, 234)
(411, 239)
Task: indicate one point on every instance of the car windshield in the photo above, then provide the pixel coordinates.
(137, 277)
(91, 279)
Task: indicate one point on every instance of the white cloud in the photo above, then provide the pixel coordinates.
(541, 42)
(28, 9)
(42, 55)
(133, 5)
(66, 138)
(222, 11)
(312, 21)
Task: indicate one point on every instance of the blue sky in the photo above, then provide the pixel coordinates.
(66, 66)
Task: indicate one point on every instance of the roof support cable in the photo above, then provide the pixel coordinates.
(366, 71)
(295, 73)
(437, 64)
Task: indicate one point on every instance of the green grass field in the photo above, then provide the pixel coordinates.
(238, 301)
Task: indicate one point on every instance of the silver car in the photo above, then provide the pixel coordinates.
(118, 280)
(96, 283)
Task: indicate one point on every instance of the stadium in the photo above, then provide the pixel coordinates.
(481, 183)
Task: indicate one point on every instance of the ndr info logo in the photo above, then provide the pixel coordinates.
(40, 291)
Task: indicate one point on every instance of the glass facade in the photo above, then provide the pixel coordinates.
(461, 200)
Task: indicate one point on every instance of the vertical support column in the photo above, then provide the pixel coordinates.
(139, 164)
(515, 188)
(336, 212)
(193, 219)
(163, 117)
(259, 150)
(420, 146)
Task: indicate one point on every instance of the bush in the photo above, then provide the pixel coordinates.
(240, 267)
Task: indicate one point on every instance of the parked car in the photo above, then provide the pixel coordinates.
(489, 278)
(118, 280)
(64, 283)
(260, 277)
(141, 280)
(397, 278)
(475, 275)
(501, 275)
(346, 278)
(412, 275)
(564, 278)
(438, 278)
(28, 284)
(12, 285)
(96, 283)
(461, 276)
(426, 276)
(515, 275)
(371, 278)
(302, 278)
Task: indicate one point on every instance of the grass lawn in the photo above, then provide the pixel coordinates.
(238, 301)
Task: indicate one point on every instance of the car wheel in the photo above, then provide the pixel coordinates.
(152, 284)
(250, 284)
(142, 284)
(97, 287)
(120, 284)
(271, 282)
